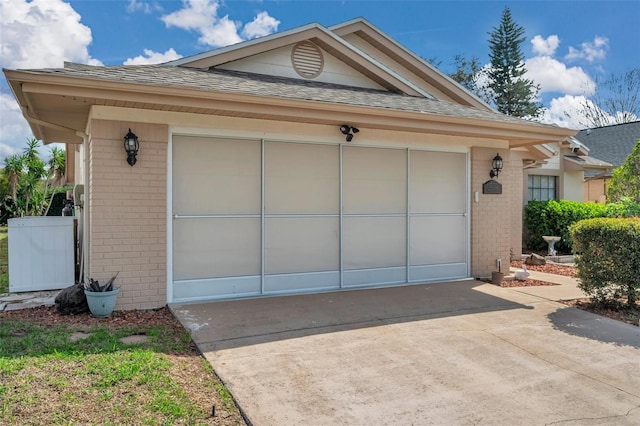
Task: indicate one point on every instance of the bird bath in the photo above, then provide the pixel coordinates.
(551, 242)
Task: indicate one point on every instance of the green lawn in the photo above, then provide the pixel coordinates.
(4, 260)
(46, 378)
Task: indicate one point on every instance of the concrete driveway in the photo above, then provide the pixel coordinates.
(444, 354)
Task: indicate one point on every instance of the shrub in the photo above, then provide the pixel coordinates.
(554, 218)
(608, 258)
(625, 208)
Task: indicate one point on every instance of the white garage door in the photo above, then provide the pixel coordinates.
(257, 217)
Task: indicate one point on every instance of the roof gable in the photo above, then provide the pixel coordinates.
(327, 41)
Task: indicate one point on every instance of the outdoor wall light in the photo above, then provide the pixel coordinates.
(345, 129)
(496, 166)
(131, 145)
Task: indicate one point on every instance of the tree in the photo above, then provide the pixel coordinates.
(13, 168)
(619, 104)
(30, 179)
(512, 93)
(56, 173)
(625, 182)
(472, 76)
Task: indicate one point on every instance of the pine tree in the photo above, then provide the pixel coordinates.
(512, 93)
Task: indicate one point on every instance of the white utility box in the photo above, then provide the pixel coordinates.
(41, 253)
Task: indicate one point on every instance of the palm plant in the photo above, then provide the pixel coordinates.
(57, 164)
(13, 169)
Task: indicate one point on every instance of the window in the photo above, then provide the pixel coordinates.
(541, 188)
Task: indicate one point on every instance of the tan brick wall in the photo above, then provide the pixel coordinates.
(493, 214)
(595, 190)
(128, 212)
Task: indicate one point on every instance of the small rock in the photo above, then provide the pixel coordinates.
(535, 259)
(79, 335)
(136, 338)
(72, 300)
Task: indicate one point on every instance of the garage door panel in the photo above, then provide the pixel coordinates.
(217, 288)
(374, 180)
(296, 245)
(301, 178)
(438, 239)
(216, 176)
(438, 182)
(374, 242)
(216, 247)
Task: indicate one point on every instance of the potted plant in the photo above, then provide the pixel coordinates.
(101, 298)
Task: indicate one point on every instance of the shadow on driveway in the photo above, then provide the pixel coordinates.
(230, 324)
(595, 327)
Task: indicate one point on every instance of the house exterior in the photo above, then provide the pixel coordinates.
(612, 144)
(310, 160)
(561, 177)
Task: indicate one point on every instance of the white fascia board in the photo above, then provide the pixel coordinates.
(410, 53)
(241, 45)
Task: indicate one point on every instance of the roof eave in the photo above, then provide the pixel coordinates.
(517, 133)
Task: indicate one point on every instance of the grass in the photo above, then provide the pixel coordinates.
(46, 378)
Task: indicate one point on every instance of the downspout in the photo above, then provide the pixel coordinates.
(85, 270)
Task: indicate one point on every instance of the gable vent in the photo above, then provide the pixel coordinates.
(307, 59)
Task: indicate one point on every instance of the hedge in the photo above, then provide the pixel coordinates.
(608, 258)
(555, 217)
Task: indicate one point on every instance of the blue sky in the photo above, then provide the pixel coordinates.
(571, 45)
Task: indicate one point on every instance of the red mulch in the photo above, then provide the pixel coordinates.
(549, 268)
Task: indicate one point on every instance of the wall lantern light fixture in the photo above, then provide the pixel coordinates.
(131, 145)
(496, 166)
(349, 131)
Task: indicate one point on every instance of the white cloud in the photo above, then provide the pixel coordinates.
(569, 111)
(554, 76)
(545, 47)
(144, 7)
(14, 130)
(591, 52)
(42, 33)
(201, 16)
(36, 34)
(262, 25)
(151, 57)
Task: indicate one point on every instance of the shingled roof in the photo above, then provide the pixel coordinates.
(235, 82)
(611, 143)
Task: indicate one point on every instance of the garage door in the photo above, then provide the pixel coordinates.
(255, 217)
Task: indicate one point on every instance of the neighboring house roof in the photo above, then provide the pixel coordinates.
(588, 162)
(57, 102)
(612, 144)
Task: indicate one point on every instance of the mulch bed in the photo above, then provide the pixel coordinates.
(549, 268)
(48, 315)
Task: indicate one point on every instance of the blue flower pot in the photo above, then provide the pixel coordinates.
(101, 304)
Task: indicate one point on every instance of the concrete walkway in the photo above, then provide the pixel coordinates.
(446, 353)
(566, 288)
(13, 301)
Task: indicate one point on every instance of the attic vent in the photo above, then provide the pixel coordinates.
(307, 59)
